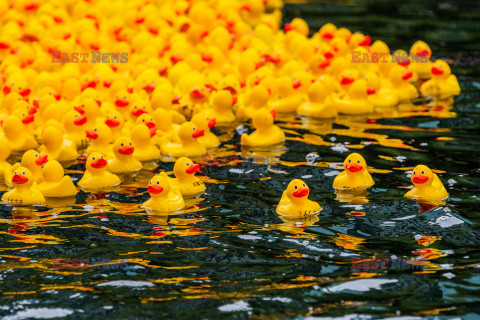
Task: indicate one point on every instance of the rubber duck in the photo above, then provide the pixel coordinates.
(73, 124)
(443, 83)
(55, 146)
(399, 78)
(295, 203)
(19, 139)
(257, 99)
(205, 123)
(287, 99)
(5, 151)
(189, 146)
(124, 161)
(420, 54)
(145, 149)
(33, 161)
(23, 192)
(165, 126)
(318, 105)
(89, 108)
(56, 184)
(357, 100)
(427, 185)
(96, 175)
(266, 133)
(188, 184)
(355, 177)
(101, 137)
(222, 103)
(115, 121)
(378, 96)
(162, 198)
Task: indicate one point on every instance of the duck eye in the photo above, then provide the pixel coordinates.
(158, 182)
(95, 129)
(304, 184)
(15, 172)
(76, 116)
(101, 157)
(23, 114)
(125, 98)
(121, 144)
(36, 155)
(93, 158)
(296, 187)
(187, 164)
(423, 172)
(358, 161)
(115, 117)
(24, 173)
(130, 143)
(349, 160)
(143, 120)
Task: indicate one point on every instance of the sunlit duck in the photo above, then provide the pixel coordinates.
(124, 161)
(142, 139)
(184, 170)
(5, 151)
(318, 105)
(189, 146)
(101, 136)
(443, 83)
(357, 100)
(162, 198)
(420, 61)
(427, 185)
(73, 124)
(96, 175)
(295, 203)
(55, 146)
(355, 177)
(257, 99)
(205, 123)
(33, 161)
(399, 78)
(266, 133)
(56, 184)
(19, 139)
(222, 102)
(23, 192)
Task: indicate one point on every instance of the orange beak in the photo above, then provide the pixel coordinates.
(302, 192)
(42, 159)
(196, 94)
(19, 179)
(327, 35)
(436, 71)
(371, 90)
(154, 189)
(138, 112)
(99, 163)
(193, 168)
(25, 92)
(366, 41)
(91, 84)
(296, 84)
(149, 87)
(288, 27)
(28, 119)
(212, 123)
(107, 84)
(324, 64)
(6, 90)
(121, 103)
(126, 150)
(407, 75)
(354, 167)
(273, 112)
(423, 53)
(79, 109)
(32, 111)
(328, 55)
(347, 80)
(80, 121)
(419, 179)
(92, 134)
(112, 123)
(198, 133)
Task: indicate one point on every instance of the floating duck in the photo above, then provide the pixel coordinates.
(145, 148)
(266, 133)
(356, 102)
(96, 175)
(205, 123)
(56, 184)
(165, 126)
(23, 192)
(124, 161)
(443, 83)
(319, 105)
(222, 102)
(188, 135)
(33, 161)
(55, 146)
(399, 78)
(73, 124)
(163, 199)
(5, 151)
(101, 137)
(257, 99)
(184, 170)
(114, 120)
(287, 99)
(295, 203)
(19, 139)
(380, 97)
(355, 177)
(427, 185)
(420, 54)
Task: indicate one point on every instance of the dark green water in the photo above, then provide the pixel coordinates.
(236, 259)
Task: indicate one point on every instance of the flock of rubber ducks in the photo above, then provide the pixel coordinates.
(191, 65)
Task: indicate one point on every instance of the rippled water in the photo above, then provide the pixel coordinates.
(231, 256)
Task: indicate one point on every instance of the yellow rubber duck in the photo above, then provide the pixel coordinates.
(318, 105)
(189, 146)
(73, 124)
(356, 102)
(15, 133)
(443, 83)
(257, 99)
(355, 177)
(378, 96)
(101, 137)
(222, 103)
(184, 170)
(55, 146)
(163, 199)
(427, 185)
(295, 203)
(5, 151)
(89, 108)
(114, 120)
(266, 133)
(399, 78)
(205, 123)
(165, 126)
(287, 99)
(420, 54)
(124, 161)
(23, 192)
(33, 161)
(145, 149)
(96, 175)
(56, 184)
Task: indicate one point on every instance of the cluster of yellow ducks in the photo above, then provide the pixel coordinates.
(125, 82)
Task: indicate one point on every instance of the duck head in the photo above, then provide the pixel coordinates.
(222, 100)
(22, 178)
(317, 92)
(53, 171)
(114, 120)
(421, 176)
(5, 149)
(188, 132)
(122, 99)
(163, 119)
(101, 134)
(158, 187)
(12, 127)
(73, 121)
(359, 89)
(297, 190)
(440, 70)
(348, 76)
(263, 119)
(421, 49)
(379, 47)
(373, 82)
(148, 120)
(184, 167)
(52, 138)
(33, 160)
(204, 122)
(399, 75)
(96, 164)
(259, 96)
(88, 108)
(339, 46)
(327, 32)
(354, 164)
(123, 147)
(140, 107)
